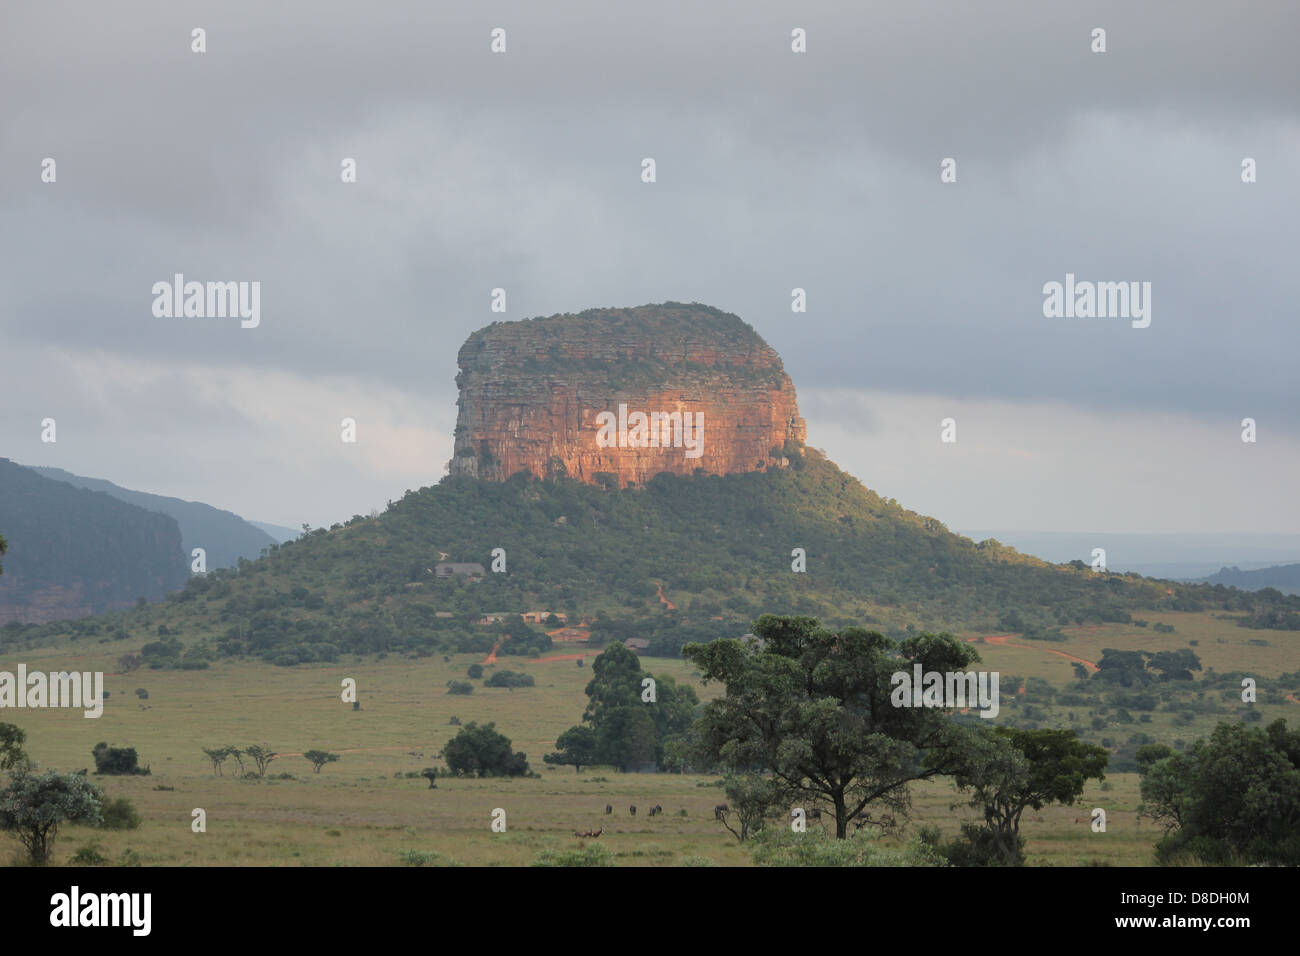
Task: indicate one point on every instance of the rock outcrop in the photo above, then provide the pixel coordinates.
(622, 395)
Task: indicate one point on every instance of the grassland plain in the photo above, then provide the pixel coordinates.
(363, 810)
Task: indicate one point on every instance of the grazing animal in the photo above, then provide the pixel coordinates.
(656, 809)
(594, 834)
(609, 808)
(719, 810)
(632, 809)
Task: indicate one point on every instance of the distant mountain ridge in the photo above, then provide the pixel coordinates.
(74, 552)
(1284, 577)
(224, 536)
(279, 532)
(1173, 556)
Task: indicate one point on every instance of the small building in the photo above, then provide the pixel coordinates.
(540, 617)
(454, 569)
(637, 644)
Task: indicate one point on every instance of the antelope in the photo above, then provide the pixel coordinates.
(656, 809)
(609, 808)
(632, 809)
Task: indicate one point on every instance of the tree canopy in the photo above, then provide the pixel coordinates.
(33, 806)
(481, 751)
(1232, 797)
(813, 708)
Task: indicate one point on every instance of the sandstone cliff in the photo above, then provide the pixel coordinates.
(562, 395)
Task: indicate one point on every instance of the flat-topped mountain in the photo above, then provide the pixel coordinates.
(621, 395)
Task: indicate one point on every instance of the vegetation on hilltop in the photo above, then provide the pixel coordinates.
(720, 548)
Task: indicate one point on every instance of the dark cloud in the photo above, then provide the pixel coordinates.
(775, 171)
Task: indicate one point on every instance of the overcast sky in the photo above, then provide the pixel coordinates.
(775, 170)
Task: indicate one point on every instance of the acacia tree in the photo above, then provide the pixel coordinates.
(262, 755)
(320, 758)
(32, 807)
(1009, 770)
(237, 755)
(218, 756)
(813, 708)
(751, 799)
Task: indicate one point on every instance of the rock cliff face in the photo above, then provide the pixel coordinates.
(622, 394)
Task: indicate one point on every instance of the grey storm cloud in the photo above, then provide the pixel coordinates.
(775, 171)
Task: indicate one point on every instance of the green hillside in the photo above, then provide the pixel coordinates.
(720, 548)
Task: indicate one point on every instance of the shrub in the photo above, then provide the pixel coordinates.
(89, 855)
(116, 760)
(778, 846)
(510, 679)
(975, 847)
(594, 855)
(120, 814)
(426, 858)
(475, 671)
(459, 687)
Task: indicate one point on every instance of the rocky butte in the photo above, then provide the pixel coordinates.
(622, 395)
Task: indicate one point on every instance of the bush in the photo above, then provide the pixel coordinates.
(120, 814)
(779, 846)
(141, 693)
(89, 855)
(510, 679)
(975, 847)
(459, 687)
(426, 858)
(116, 760)
(594, 855)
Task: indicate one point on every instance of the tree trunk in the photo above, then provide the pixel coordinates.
(841, 817)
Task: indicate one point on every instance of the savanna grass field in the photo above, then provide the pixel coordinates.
(372, 809)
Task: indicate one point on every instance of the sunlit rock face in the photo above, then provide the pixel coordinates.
(627, 393)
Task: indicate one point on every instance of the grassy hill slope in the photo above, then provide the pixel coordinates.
(719, 547)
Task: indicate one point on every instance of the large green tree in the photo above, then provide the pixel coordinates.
(1009, 770)
(1234, 795)
(33, 806)
(633, 721)
(481, 751)
(812, 707)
